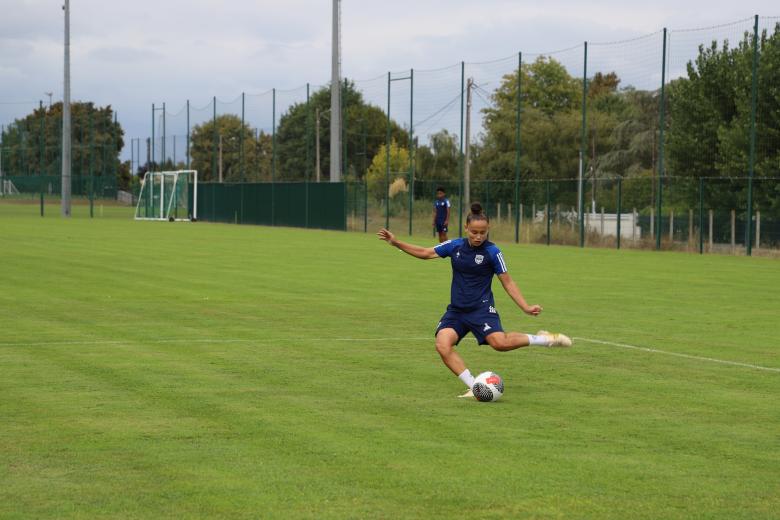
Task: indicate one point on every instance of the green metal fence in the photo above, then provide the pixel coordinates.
(293, 204)
(669, 126)
(619, 213)
(50, 185)
(679, 128)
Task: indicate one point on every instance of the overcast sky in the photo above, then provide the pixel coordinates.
(134, 53)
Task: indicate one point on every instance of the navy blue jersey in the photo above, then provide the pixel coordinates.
(441, 206)
(472, 272)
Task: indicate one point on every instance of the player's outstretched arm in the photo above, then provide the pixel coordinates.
(513, 291)
(425, 253)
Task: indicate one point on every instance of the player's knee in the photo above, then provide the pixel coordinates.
(443, 347)
(499, 342)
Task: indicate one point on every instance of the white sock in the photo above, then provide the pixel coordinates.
(538, 340)
(467, 378)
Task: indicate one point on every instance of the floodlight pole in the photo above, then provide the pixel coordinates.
(335, 96)
(65, 200)
(2, 184)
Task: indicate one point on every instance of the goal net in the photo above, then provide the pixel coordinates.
(168, 196)
(7, 187)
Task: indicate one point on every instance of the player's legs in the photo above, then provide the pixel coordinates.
(442, 229)
(506, 341)
(445, 346)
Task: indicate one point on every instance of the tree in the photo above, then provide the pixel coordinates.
(377, 172)
(228, 133)
(550, 124)
(438, 161)
(33, 145)
(364, 125)
(709, 132)
(547, 86)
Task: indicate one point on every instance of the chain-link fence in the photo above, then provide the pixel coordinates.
(668, 140)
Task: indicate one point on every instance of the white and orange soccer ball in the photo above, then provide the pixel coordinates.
(487, 387)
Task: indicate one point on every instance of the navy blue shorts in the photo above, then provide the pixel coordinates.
(480, 323)
(440, 227)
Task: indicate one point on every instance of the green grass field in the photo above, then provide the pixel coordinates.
(158, 370)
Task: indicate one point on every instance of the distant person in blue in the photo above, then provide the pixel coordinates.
(441, 214)
(474, 261)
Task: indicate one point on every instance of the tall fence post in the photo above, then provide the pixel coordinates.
(343, 126)
(273, 134)
(241, 158)
(151, 168)
(365, 175)
(619, 209)
(701, 215)
(365, 203)
(751, 168)
(583, 137)
(216, 139)
(387, 159)
(273, 156)
(547, 210)
(164, 138)
(690, 228)
(661, 145)
(308, 155)
(241, 138)
(411, 149)
(91, 165)
(41, 160)
(41, 139)
(460, 153)
(188, 134)
(517, 145)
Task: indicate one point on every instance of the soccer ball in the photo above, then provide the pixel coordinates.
(488, 386)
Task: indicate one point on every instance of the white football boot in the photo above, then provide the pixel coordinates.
(555, 339)
(468, 394)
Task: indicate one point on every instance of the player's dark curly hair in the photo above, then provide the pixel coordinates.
(476, 214)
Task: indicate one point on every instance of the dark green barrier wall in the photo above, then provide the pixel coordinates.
(81, 185)
(293, 204)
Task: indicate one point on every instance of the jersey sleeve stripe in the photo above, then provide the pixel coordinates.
(501, 261)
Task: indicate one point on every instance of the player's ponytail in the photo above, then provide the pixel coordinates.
(476, 214)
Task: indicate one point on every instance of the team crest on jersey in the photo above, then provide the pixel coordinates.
(478, 259)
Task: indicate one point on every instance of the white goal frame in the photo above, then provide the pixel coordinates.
(164, 212)
(7, 187)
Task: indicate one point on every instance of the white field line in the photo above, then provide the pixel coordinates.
(373, 340)
(127, 342)
(677, 354)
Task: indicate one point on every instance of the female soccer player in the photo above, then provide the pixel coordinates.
(441, 213)
(472, 309)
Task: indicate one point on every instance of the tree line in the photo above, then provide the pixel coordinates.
(707, 134)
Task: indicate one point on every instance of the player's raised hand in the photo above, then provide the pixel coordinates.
(385, 235)
(533, 310)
